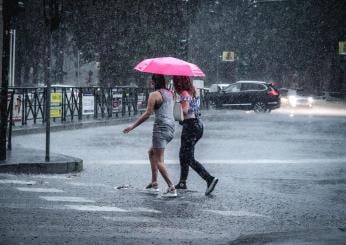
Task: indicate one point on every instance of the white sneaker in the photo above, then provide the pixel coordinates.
(170, 193)
(151, 189)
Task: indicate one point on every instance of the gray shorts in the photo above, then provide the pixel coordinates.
(162, 135)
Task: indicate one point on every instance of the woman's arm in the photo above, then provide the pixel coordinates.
(150, 109)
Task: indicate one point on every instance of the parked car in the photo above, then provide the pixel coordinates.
(249, 95)
(295, 98)
(217, 87)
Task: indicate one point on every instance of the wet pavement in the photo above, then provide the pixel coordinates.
(282, 181)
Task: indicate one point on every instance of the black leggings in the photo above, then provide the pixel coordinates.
(192, 132)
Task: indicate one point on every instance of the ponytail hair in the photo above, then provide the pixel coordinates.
(182, 83)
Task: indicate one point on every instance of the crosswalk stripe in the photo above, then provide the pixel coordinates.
(88, 184)
(147, 210)
(65, 199)
(135, 219)
(19, 182)
(39, 189)
(239, 213)
(95, 208)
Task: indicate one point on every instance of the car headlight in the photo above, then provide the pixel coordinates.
(292, 100)
(310, 99)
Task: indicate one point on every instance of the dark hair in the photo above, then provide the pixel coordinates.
(159, 81)
(182, 83)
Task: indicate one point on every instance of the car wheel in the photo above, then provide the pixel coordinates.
(259, 107)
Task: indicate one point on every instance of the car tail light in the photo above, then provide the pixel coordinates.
(273, 92)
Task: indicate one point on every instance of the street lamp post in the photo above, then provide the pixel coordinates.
(8, 10)
(78, 66)
(217, 68)
(52, 13)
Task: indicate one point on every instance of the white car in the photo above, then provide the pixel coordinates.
(291, 98)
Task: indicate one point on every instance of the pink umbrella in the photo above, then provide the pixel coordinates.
(169, 66)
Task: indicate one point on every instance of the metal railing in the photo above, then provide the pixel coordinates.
(78, 103)
(70, 103)
(26, 105)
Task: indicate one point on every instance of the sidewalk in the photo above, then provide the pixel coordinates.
(29, 161)
(69, 125)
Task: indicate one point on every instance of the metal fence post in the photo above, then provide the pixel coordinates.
(9, 143)
(80, 104)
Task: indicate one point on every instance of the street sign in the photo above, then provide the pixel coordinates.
(342, 48)
(227, 56)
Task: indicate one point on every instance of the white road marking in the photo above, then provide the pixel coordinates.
(147, 210)
(226, 162)
(65, 177)
(92, 208)
(88, 184)
(19, 182)
(140, 219)
(48, 190)
(240, 213)
(65, 199)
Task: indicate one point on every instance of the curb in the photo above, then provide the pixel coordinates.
(30, 161)
(43, 168)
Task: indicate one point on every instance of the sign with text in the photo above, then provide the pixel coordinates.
(88, 104)
(56, 104)
(227, 56)
(342, 48)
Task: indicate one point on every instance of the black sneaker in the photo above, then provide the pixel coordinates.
(181, 186)
(211, 185)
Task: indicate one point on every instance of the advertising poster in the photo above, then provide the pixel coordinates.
(17, 106)
(88, 103)
(116, 100)
(55, 104)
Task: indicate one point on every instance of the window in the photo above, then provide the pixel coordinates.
(252, 87)
(233, 88)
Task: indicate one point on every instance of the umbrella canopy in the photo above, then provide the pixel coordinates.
(169, 66)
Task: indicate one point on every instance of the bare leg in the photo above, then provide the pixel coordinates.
(153, 165)
(158, 158)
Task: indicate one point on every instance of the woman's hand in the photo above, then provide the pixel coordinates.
(128, 129)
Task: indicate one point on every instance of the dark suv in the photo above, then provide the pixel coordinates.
(248, 95)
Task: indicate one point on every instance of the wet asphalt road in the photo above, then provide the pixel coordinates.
(282, 181)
